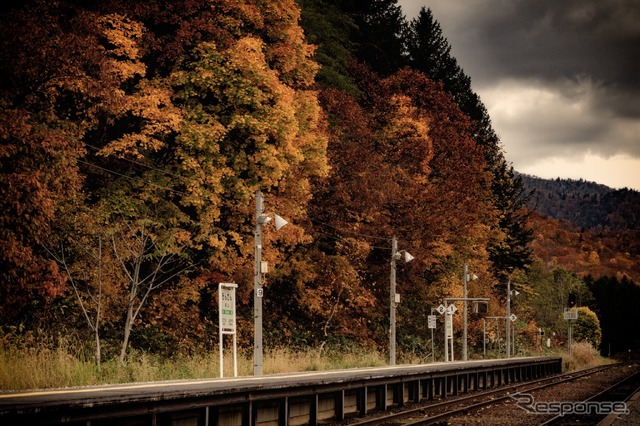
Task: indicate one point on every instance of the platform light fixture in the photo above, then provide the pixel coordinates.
(466, 278)
(394, 298)
(260, 268)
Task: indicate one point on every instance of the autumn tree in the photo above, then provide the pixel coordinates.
(82, 251)
(398, 155)
(53, 84)
(430, 52)
(587, 327)
(551, 288)
(328, 27)
(163, 119)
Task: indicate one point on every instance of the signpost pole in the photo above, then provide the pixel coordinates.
(432, 325)
(508, 329)
(447, 318)
(392, 302)
(227, 322)
(465, 279)
(257, 288)
(484, 338)
(433, 351)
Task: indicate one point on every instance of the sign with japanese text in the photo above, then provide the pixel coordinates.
(431, 320)
(227, 307)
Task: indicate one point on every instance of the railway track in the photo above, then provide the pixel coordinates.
(595, 409)
(437, 412)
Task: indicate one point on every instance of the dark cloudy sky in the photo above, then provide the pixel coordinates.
(560, 79)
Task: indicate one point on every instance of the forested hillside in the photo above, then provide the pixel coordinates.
(134, 137)
(586, 227)
(592, 230)
(587, 205)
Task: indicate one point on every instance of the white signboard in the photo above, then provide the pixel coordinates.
(513, 318)
(227, 307)
(451, 309)
(431, 320)
(448, 325)
(227, 321)
(441, 309)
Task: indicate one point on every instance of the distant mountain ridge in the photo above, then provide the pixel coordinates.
(586, 205)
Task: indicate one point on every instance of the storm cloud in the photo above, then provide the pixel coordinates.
(560, 79)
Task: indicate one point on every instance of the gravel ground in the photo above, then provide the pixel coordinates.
(509, 414)
(633, 418)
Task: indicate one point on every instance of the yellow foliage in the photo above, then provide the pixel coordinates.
(124, 35)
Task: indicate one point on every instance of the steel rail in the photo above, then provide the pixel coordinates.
(564, 418)
(423, 409)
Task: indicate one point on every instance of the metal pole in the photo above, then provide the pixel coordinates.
(392, 303)
(257, 288)
(508, 328)
(464, 314)
(221, 357)
(235, 355)
(484, 337)
(497, 342)
(570, 337)
(446, 340)
(452, 352)
(433, 351)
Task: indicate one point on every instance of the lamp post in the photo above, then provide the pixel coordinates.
(259, 269)
(394, 298)
(465, 280)
(508, 330)
(509, 320)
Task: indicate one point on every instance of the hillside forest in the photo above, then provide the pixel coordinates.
(135, 135)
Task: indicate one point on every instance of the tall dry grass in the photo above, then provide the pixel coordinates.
(583, 356)
(54, 366)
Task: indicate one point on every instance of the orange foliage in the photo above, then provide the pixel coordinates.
(589, 252)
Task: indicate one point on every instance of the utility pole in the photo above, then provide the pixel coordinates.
(259, 269)
(392, 302)
(448, 332)
(257, 287)
(464, 313)
(508, 337)
(394, 298)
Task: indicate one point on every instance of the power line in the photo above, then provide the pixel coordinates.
(375, 237)
(339, 238)
(140, 163)
(114, 172)
(131, 177)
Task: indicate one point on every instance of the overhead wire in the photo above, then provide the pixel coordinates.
(107, 170)
(339, 238)
(131, 177)
(121, 174)
(139, 163)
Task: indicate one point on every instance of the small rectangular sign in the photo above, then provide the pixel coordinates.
(227, 307)
(431, 320)
(570, 314)
(448, 324)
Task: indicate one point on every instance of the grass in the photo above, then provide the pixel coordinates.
(583, 356)
(43, 367)
(62, 365)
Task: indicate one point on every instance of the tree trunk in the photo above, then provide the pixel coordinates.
(98, 349)
(127, 331)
